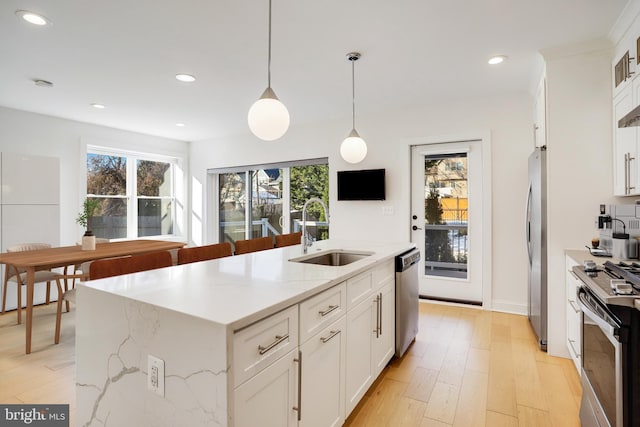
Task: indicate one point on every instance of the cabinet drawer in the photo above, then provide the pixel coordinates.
(383, 274)
(322, 309)
(259, 345)
(359, 288)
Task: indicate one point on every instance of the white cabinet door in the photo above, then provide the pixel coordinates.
(268, 399)
(30, 180)
(30, 223)
(384, 343)
(360, 335)
(573, 315)
(323, 377)
(625, 161)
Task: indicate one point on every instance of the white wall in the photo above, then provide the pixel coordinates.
(389, 136)
(29, 133)
(579, 163)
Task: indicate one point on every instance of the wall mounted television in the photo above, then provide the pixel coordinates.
(361, 185)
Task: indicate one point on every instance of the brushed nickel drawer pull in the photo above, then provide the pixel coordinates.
(331, 335)
(328, 310)
(299, 407)
(279, 339)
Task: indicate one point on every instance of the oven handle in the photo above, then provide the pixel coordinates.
(610, 329)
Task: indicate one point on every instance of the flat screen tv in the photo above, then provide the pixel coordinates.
(361, 185)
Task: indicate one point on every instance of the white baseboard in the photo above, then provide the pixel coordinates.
(509, 307)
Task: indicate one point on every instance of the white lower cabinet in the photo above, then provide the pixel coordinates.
(310, 364)
(323, 377)
(268, 399)
(574, 315)
(370, 335)
(384, 346)
(361, 321)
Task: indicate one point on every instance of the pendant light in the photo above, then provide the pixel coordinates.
(268, 117)
(353, 149)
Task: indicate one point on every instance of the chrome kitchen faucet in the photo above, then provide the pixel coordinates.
(306, 241)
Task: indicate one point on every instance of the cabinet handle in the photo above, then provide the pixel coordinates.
(626, 173)
(574, 306)
(331, 335)
(279, 339)
(629, 169)
(299, 407)
(571, 342)
(377, 301)
(328, 310)
(380, 316)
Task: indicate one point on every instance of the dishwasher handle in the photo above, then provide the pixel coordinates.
(407, 259)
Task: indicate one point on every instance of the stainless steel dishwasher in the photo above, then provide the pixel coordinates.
(407, 304)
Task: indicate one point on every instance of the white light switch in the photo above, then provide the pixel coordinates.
(388, 211)
(155, 375)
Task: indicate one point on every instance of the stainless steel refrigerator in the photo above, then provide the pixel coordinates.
(536, 231)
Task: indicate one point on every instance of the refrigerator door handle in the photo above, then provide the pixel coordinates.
(528, 224)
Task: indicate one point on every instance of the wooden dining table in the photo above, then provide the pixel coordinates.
(45, 259)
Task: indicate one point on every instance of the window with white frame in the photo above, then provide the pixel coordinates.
(136, 194)
(267, 199)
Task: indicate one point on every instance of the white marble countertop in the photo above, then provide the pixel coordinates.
(239, 290)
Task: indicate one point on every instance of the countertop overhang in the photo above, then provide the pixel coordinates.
(238, 290)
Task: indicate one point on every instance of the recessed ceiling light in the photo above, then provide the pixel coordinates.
(498, 59)
(98, 106)
(42, 83)
(33, 18)
(187, 78)
(180, 125)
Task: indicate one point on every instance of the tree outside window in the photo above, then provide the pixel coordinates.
(133, 202)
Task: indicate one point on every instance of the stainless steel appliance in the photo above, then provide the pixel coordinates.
(536, 234)
(610, 345)
(407, 299)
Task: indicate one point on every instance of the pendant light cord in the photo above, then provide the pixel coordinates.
(269, 57)
(353, 90)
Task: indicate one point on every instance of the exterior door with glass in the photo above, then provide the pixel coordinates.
(447, 218)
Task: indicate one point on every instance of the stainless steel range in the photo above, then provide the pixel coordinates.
(610, 344)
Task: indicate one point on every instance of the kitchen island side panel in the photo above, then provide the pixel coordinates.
(115, 336)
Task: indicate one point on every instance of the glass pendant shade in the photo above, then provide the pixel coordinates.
(268, 117)
(353, 149)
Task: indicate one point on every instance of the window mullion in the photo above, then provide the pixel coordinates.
(286, 200)
(248, 217)
(132, 202)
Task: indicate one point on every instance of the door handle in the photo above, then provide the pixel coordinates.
(415, 227)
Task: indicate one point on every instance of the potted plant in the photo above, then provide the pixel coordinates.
(88, 207)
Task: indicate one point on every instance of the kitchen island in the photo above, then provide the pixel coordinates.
(230, 335)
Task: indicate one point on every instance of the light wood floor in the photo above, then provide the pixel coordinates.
(467, 367)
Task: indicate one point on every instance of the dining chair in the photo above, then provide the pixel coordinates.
(80, 271)
(102, 268)
(203, 253)
(288, 239)
(110, 267)
(253, 245)
(19, 277)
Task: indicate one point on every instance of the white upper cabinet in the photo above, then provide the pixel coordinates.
(30, 180)
(624, 64)
(625, 162)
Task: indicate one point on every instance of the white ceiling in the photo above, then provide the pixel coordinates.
(125, 54)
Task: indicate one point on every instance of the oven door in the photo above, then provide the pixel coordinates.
(601, 363)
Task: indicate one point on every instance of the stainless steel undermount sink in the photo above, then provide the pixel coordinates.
(333, 258)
